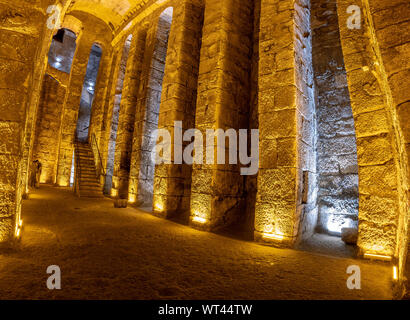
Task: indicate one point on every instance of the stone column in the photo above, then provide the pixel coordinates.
(285, 103)
(108, 105)
(48, 122)
(21, 27)
(145, 120)
(97, 113)
(172, 183)
(128, 107)
(381, 193)
(71, 107)
(217, 192)
(389, 20)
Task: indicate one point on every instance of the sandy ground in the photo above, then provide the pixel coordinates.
(108, 253)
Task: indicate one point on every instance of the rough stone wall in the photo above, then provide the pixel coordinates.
(337, 153)
(146, 120)
(123, 144)
(48, 123)
(21, 27)
(379, 188)
(172, 184)
(218, 191)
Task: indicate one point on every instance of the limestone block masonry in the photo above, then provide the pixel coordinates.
(331, 104)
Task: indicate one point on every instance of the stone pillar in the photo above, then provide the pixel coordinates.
(146, 118)
(97, 115)
(45, 146)
(21, 27)
(390, 19)
(370, 95)
(217, 192)
(108, 105)
(70, 111)
(172, 183)
(284, 93)
(129, 99)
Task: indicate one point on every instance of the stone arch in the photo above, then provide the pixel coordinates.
(62, 50)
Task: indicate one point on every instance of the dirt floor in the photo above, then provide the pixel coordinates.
(108, 253)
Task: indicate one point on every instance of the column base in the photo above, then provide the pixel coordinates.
(274, 240)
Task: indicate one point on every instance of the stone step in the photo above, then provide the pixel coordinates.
(90, 191)
(89, 184)
(88, 170)
(90, 187)
(91, 195)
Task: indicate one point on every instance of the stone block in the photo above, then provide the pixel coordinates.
(349, 235)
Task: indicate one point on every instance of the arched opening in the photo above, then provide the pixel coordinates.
(147, 168)
(87, 95)
(49, 114)
(336, 180)
(62, 50)
(116, 114)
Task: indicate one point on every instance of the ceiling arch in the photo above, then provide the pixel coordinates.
(110, 11)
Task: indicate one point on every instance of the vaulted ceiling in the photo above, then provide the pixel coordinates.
(112, 12)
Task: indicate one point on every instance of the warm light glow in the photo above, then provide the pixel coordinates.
(377, 257)
(199, 219)
(20, 223)
(131, 198)
(395, 273)
(273, 236)
(159, 207)
(114, 193)
(18, 233)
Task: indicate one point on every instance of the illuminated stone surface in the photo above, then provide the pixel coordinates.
(331, 104)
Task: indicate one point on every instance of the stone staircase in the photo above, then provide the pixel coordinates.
(88, 185)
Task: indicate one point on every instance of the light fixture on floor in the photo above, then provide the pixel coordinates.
(131, 198)
(199, 219)
(159, 207)
(273, 236)
(373, 256)
(18, 228)
(395, 273)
